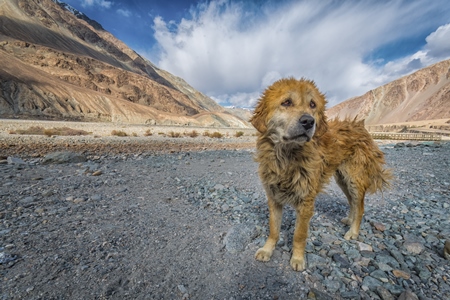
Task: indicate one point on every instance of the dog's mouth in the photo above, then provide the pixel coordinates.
(297, 138)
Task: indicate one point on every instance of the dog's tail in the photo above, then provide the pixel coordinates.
(381, 180)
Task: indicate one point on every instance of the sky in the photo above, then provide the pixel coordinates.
(232, 50)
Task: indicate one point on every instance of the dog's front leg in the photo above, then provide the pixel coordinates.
(275, 216)
(304, 212)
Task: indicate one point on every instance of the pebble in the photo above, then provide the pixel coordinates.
(62, 157)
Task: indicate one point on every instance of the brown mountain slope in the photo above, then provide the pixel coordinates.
(55, 65)
(423, 95)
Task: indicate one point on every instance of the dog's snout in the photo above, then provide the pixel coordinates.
(306, 121)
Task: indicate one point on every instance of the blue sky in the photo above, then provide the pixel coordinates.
(232, 50)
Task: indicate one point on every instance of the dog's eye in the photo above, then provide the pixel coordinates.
(286, 103)
(312, 104)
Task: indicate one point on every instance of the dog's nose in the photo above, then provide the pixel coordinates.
(307, 121)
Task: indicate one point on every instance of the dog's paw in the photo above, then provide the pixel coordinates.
(350, 235)
(346, 221)
(263, 255)
(298, 263)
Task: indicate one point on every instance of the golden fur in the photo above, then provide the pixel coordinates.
(298, 151)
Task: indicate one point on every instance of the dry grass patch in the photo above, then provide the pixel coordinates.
(216, 135)
(174, 134)
(191, 134)
(119, 133)
(62, 131)
(239, 133)
(148, 132)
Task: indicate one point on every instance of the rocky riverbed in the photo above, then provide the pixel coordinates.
(186, 225)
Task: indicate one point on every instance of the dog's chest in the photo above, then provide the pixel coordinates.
(290, 186)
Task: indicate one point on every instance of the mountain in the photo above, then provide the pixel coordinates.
(57, 63)
(420, 96)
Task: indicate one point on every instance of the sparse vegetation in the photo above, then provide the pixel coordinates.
(148, 133)
(216, 134)
(192, 134)
(239, 133)
(174, 134)
(134, 134)
(62, 131)
(119, 133)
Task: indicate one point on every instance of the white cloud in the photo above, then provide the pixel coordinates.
(232, 52)
(124, 12)
(438, 42)
(437, 48)
(102, 3)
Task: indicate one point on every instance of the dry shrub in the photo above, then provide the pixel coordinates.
(192, 134)
(148, 132)
(206, 133)
(174, 134)
(119, 133)
(216, 134)
(239, 133)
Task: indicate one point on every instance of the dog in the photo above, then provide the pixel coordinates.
(298, 151)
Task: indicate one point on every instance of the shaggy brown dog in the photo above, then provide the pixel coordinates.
(298, 151)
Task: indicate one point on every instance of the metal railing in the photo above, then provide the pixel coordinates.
(405, 136)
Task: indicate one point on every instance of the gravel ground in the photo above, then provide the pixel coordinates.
(145, 224)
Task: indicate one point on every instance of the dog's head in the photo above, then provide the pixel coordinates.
(292, 111)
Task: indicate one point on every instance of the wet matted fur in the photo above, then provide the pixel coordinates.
(298, 151)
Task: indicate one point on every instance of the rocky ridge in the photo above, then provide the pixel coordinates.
(61, 65)
(423, 95)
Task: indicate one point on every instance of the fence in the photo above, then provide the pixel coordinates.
(405, 136)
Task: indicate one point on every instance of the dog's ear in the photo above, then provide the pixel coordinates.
(258, 119)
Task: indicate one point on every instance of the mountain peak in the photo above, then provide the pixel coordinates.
(79, 15)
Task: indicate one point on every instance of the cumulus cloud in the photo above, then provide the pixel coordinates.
(124, 12)
(231, 51)
(101, 3)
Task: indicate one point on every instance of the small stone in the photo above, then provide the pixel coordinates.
(182, 289)
(341, 260)
(62, 157)
(332, 285)
(78, 200)
(15, 161)
(239, 236)
(447, 250)
(408, 295)
(379, 226)
(218, 187)
(371, 283)
(401, 274)
(384, 293)
(314, 260)
(364, 247)
(414, 247)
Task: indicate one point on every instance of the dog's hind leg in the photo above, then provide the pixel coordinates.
(355, 196)
(275, 217)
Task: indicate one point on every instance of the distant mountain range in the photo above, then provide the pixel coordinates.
(423, 95)
(56, 63)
